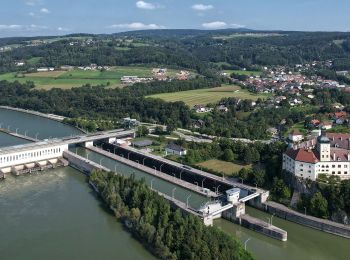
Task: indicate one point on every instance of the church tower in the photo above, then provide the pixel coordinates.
(324, 146)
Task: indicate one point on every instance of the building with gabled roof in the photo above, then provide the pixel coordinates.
(329, 154)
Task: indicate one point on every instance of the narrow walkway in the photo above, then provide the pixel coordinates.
(28, 138)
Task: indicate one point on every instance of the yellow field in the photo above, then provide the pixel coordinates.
(46, 74)
(208, 95)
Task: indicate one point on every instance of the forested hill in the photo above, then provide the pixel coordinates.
(202, 51)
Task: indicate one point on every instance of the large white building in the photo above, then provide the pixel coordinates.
(329, 154)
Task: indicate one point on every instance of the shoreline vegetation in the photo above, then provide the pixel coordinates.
(164, 231)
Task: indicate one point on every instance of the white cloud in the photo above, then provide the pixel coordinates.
(62, 29)
(202, 7)
(10, 26)
(18, 27)
(236, 25)
(33, 2)
(136, 26)
(145, 5)
(44, 10)
(214, 25)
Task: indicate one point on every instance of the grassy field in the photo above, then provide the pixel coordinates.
(227, 168)
(209, 95)
(77, 78)
(244, 72)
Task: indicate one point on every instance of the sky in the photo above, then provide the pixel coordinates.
(57, 17)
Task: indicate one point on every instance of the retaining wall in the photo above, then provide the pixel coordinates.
(82, 164)
(313, 222)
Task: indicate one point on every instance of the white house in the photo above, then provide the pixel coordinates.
(295, 136)
(330, 156)
(175, 149)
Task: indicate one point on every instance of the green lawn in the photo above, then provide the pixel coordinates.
(77, 78)
(244, 72)
(209, 95)
(227, 168)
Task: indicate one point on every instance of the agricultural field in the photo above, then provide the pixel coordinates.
(208, 95)
(77, 78)
(228, 168)
(244, 72)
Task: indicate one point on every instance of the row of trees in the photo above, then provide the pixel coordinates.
(163, 230)
(329, 198)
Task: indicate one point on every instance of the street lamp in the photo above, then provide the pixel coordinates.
(174, 175)
(152, 183)
(101, 161)
(160, 168)
(8, 127)
(143, 161)
(36, 136)
(268, 220)
(272, 217)
(87, 156)
(203, 182)
(155, 169)
(188, 197)
(245, 243)
(172, 193)
(115, 168)
(196, 184)
(128, 155)
(16, 130)
(217, 189)
(25, 132)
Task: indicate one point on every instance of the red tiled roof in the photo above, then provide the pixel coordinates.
(340, 114)
(302, 155)
(315, 121)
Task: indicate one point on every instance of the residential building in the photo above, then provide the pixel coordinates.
(295, 136)
(172, 148)
(329, 155)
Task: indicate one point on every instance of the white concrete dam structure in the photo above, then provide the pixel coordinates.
(41, 151)
(35, 152)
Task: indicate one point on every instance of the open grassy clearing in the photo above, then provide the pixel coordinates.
(228, 168)
(77, 78)
(244, 72)
(208, 95)
(246, 35)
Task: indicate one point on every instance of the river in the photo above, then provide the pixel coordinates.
(56, 215)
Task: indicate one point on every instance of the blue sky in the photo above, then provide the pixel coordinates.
(52, 17)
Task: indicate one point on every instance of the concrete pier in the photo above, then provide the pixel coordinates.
(158, 174)
(36, 113)
(24, 137)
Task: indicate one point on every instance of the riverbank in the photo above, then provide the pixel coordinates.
(36, 113)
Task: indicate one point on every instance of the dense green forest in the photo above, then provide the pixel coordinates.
(163, 230)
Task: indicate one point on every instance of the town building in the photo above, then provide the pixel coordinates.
(295, 136)
(175, 149)
(329, 155)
